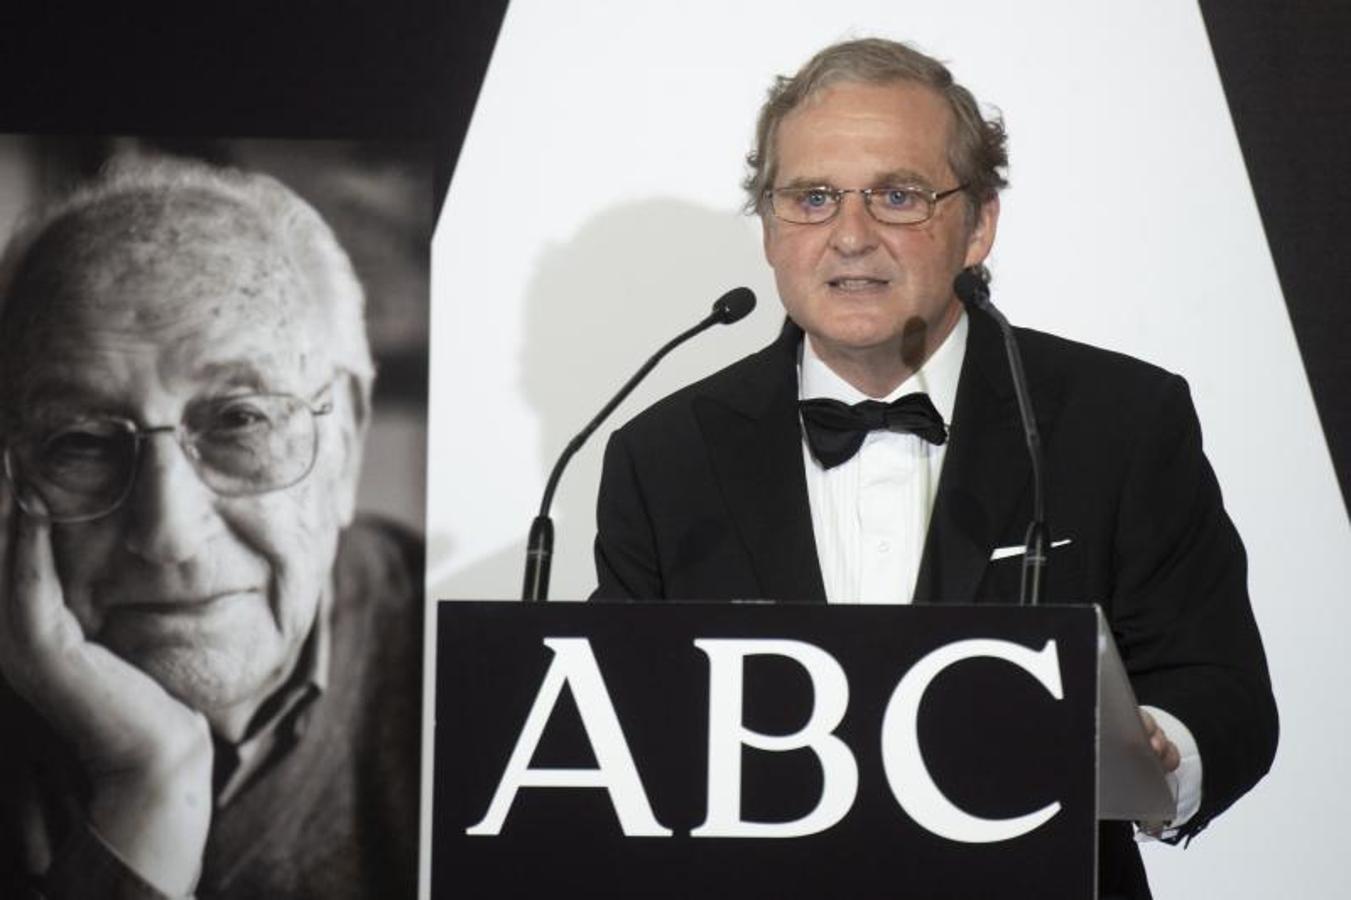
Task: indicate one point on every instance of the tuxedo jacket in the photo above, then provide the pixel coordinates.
(703, 496)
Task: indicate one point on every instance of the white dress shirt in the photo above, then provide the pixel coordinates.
(870, 514)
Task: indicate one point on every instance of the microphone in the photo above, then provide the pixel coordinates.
(974, 293)
(971, 289)
(732, 306)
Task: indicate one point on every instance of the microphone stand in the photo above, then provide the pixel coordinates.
(972, 290)
(731, 307)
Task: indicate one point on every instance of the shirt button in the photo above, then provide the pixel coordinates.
(883, 546)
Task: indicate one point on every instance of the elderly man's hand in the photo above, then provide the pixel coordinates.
(147, 756)
(1165, 749)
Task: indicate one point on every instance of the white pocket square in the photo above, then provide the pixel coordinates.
(1019, 549)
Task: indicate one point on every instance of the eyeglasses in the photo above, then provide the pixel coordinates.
(238, 446)
(891, 205)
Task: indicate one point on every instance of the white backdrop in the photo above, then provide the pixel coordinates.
(594, 213)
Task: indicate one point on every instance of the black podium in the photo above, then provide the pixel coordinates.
(755, 750)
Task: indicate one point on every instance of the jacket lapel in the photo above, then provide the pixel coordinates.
(750, 426)
(985, 476)
(751, 429)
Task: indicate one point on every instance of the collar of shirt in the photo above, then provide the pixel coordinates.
(871, 513)
(937, 377)
(280, 720)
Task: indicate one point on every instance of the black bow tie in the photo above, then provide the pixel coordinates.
(836, 430)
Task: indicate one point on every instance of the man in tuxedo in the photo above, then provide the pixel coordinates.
(874, 453)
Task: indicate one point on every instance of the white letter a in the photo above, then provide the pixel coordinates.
(575, 665)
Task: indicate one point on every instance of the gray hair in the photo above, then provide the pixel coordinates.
(976, 152)
(293, 226)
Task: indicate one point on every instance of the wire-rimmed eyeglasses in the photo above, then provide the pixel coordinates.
(890, 205)
(239, 446)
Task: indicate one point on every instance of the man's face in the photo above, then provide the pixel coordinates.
(855, 285)
(212, 596)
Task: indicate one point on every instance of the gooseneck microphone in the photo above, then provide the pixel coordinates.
(974, 293)
(732, 306)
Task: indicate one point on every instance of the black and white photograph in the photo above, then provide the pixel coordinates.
(214, 358)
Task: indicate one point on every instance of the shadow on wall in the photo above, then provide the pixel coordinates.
(597, 307)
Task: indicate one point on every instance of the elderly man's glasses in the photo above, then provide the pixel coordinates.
(892, 205)
(239, 446)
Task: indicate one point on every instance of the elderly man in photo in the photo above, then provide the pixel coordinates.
(211, 670)
(902, 474)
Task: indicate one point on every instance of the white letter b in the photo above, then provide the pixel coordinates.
(727, 735)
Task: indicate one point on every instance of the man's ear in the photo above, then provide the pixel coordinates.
(981, 238)
(352, 413)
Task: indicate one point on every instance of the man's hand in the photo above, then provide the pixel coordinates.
(146, 755)
(1165, 749)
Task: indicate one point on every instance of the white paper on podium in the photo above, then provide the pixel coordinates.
(1132, 785)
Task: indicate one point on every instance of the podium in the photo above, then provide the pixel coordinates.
(757, 750)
